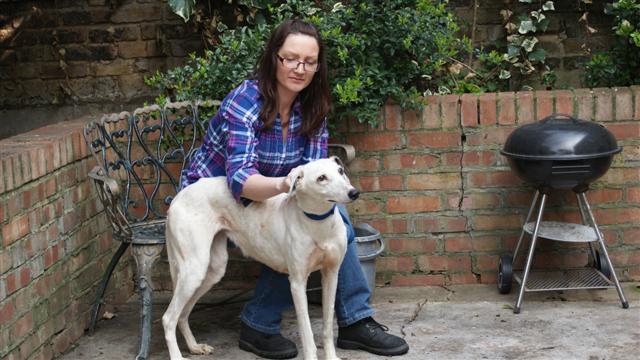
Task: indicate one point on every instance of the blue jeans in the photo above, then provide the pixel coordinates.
(273, 295)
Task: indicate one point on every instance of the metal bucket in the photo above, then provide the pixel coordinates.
(369, 245)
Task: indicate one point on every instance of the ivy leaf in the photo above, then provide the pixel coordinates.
(526, 26)
(529, 43)
(504, 75)
(538, 55)
(548, 6)
(183, 8)
(543, 24)
(525, 1)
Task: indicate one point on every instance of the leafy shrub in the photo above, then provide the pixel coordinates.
(397, 49)
(620, 66)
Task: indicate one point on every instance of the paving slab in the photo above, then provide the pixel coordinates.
(456, 322)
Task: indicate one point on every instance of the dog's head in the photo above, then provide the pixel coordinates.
(323, 180)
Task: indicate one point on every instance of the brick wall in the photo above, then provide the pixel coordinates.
(92, 54)
(436, 186)
(432, 182)
(61, 59)
(53, 244)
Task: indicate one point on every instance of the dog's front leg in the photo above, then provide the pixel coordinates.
(298, 292)
(329, 288)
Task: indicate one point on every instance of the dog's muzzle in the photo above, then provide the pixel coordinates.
(353, 194)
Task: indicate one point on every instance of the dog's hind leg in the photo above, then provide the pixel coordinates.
(189, 275)
(215, 272)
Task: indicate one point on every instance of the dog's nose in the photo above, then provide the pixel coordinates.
(354, 193)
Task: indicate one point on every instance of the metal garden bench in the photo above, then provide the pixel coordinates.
(139, 159)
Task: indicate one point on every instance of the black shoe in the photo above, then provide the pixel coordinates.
(270, 346)
(370, 336)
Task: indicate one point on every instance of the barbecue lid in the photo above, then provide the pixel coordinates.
(560, 137)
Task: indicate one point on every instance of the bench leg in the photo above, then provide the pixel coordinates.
(103, 286)
(145, 256)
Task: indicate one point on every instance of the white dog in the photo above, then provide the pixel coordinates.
(281, 232)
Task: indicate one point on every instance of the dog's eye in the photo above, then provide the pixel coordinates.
(341, 171)
(322, 178)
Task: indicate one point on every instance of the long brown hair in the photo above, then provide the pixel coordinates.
(315, 98)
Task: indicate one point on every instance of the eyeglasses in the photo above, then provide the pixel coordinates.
(294, 63)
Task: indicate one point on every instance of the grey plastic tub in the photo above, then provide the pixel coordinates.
(369, 245)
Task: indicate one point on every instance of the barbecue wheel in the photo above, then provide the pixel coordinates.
(505, 274)
(602, 265)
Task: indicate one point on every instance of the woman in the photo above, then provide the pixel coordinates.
(264, 128)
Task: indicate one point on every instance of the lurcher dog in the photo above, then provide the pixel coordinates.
(288, 232)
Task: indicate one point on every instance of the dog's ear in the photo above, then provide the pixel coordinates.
(295, 176)
(337, 160)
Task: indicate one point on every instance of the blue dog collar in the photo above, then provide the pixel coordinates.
(321, 216)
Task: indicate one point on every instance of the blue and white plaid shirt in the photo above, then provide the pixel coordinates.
(236, 147)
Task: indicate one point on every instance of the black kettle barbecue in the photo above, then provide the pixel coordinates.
(560, 152)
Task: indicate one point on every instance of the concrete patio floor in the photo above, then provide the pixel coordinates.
(456, 322)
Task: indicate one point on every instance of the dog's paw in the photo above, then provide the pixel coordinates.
(201, 349)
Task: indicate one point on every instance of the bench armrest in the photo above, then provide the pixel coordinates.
(109, 195)
(345, 152)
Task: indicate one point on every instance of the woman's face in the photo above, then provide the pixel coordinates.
(300, 47)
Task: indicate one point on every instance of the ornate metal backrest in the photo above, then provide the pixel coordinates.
(140, 157)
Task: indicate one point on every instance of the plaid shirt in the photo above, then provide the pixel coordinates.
(236, 147)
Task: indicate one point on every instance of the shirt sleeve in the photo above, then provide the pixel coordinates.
(241, 115)
(316, 147)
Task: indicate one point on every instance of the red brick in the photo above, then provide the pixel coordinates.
(411, 245)
(451, 158)
(431, 113)
(487, 262)
(636, 99)
(475, 158)
(366, 206)
(395, 263)
(604, 104)
(488, 109)
(376, 141)
(6, 311)
(409, 161)
(617, 216)
(493, 179)
(631, 236)
(584, 102)
(440, 224)
(506, 108)
(410, 120)
(497, 222)
(407, 204)
(449, 105)
(564, 102)
(15, 229)
(428, 139)
(417, 280)
(364, 164)
(623, 103)
(433, 181)
(633, 195)
(485, 243)
(469, 110)
(380, 183)
(463, 278)
(629, 131)
(392, 118)
(457, 243)
(601, 196)
(480, 201)
(494, 137)
(22, 327)
(544, 104)
(444, 263)
(524, 107)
